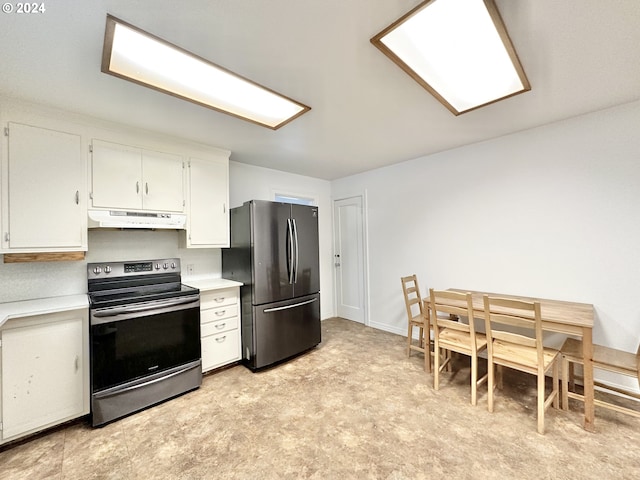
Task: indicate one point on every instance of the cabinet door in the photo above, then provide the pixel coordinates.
(208, 213)
(42, 377)
(116, 176)
(162, 182)
(46, 178)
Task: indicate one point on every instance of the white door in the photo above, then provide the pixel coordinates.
(349, 258)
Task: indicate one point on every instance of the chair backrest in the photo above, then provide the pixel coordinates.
(503, 314)
(452, 303)
(412, 296)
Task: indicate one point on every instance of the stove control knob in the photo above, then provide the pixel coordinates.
(165, 266)
(173, 265)
(107, 269)
(157, 266)
(97, 270)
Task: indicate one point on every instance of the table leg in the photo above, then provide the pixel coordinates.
(427, 336)
(587, 355)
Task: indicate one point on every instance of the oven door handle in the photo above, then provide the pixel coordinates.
(163, 304)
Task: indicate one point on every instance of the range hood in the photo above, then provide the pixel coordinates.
(130, 219)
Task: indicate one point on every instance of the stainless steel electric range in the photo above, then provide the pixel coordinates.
(145, 336)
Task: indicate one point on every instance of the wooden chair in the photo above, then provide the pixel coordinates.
(455, 336)
(417, 318)
(604, 358)
(517, 351)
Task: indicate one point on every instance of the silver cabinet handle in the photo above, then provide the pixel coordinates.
(77, 363)
(221, 339)
(77, 197)
(146, 188)
(218, 299)
(220, 326)
(137, 187)
(220, 313)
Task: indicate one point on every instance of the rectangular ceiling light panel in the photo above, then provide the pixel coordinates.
(140, 57)
(459, 50)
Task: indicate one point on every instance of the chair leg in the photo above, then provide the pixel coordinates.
(427, 341)
(499, 383)
(565, 383)
(474, 379)
(572, 382)
(490, 381)
(540, 402)
(409, 334)
(436, 364)
(556, 393)
(427, 351)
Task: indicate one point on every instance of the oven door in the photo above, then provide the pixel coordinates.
(137, 340)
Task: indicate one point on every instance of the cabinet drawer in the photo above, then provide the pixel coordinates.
(218, 298)
(219, 326)
(218, 350)
(213, 314)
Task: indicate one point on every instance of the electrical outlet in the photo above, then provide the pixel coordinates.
(190, 269)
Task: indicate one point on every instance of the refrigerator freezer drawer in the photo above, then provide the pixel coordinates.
(283, 329)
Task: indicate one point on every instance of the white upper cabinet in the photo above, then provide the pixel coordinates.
(116, 173)
(131, 178)
(208, 212)
(44, 201)
(163, 185)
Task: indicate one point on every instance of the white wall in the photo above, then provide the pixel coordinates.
(552, 212)
(247, 182)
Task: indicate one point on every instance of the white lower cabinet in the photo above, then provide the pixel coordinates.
(220, 327)
(44, 379)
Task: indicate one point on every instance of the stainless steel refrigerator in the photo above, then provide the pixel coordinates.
(274, 253)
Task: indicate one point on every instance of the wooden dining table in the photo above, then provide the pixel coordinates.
(570, 318)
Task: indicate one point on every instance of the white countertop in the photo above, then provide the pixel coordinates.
(42, 306)
(205, 283)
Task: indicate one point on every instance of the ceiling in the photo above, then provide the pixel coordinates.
(579, 56)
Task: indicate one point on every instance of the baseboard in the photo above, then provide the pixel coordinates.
(390, 329)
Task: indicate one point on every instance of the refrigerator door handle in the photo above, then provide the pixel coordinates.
(295, 269)
(286, 307)
(290, 266)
